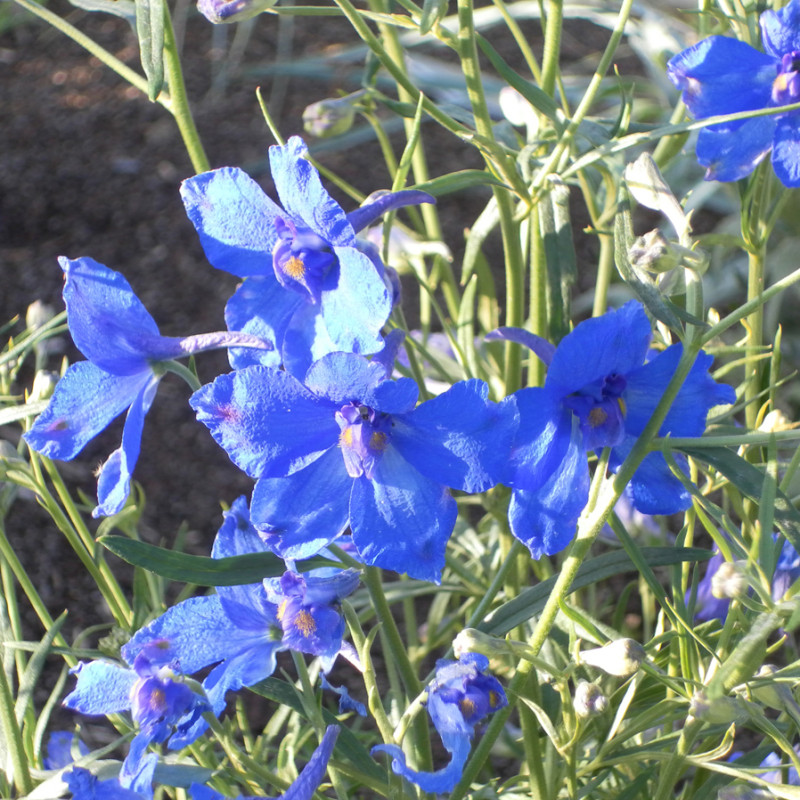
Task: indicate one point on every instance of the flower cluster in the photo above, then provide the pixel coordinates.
(312, 412)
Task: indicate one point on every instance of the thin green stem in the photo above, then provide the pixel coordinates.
(178, 103)
(552, 45)
(13, 738)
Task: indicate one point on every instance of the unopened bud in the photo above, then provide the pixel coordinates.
(44, 384)
(589, 700)
(332, 116)
(38, 315)
(218, 11)
(471, 640)
(776, 421)
(621, 658)
(654, 253)
(770, 692)
(720, 710)
(516, 109)
(647, 185)
(729, 582)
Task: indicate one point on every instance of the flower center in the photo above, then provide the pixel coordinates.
(363, 439)
(601, 411)
(301, 260)
(786, 87)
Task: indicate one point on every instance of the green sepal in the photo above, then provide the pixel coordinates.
(150, 32)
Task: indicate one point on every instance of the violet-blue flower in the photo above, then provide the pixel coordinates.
(311, 287)
(240, 629)
(150, 688)
(350, 447)
(459, 697)
(120, 339)
(303, 787)
(599, 392)
(86, 786)
(720, 75)
(58, 752)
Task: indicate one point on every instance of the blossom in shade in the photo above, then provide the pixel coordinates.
(120, 339)
(58, 752)
(721, 75)
(306, 783)
(459, 697)
(160, 703)
(350, 448)
(600, 391)
(240, 629)
(218, 11)
(311, 287)
(85, 786)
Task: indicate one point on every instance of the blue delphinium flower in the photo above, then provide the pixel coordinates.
(459, 697)
(120, 339)
(160, 703)
(304, 786)
(349, 447)
(720, 75)
(58, 752)
(240, 629)
(788, 777)
(599, 392)
(85, 786)
(311, 287)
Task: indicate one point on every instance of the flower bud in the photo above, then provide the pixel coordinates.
(38, 314)
(589, 700)
(720, 710)
(471, 640)
(776, 421)
(516, 109)
(771, 693)
(44, 384)
(728, 582)
(332, 116)
(218, 11)
(654, 253)
(650, 189)
(621, 658)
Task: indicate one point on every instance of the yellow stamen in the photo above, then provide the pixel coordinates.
(622, 406)
(378, 441)
(304, 622)
(467, 707)
(494, 699)
(157, 699)
(346, 437)
(282, 608)
(597, 416)
(295, 268)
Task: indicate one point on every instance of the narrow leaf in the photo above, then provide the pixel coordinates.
(150, 32)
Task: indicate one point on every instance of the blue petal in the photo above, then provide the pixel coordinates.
(545, 520)
(383, 202)
(85, 786)
(312, 774)
(392, 343)
(346, 702)
(114, 483)
(306, 340)
(459, 439)
(542, 441)
(345, 377)
(266, 421)
(443, 780)
(780, 30)
(786, 150)
(687, 416)
(653, 488)
(59, 749)
(86, 400)
(108, 322)
(301, 514)
(199, 633)
(730, 154)
(543, 349)
(262, 307)
(234, 218)
(720, 75)
(102, 688)
(356, 302)
(303, 195)
(402, 520)
(614, 343)
(236, 536)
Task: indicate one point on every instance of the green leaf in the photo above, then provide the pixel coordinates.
(201, 570)
(749, 479)
(538, 98)
(531, 602)
(119, 8)
(15, 413)
(347, 744)
(433, 11)
(150, 32)
(458, 182)
(33, 670)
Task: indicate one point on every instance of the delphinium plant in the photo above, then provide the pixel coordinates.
(520, 523)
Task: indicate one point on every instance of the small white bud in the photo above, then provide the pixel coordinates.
(621, 658)
(647, 185)
(729, 581)
(331, 116)
(44, 384)
(38, 314)
(589, 700)
(471, 640)
(776, 421)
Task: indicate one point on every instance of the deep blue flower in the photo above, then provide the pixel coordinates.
(59, 749)
(349, 447)
(240, 629)
(459, 697)
(120, 339)
(160, 703)
(720, 75)
(311, 287)
(599, 392)
(85, 786)
(306, 783)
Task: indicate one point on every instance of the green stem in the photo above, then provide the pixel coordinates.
(178, 103)
(13, 738)
(552, 45)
